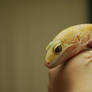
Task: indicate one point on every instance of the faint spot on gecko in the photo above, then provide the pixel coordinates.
(88, 36)
(78, 37)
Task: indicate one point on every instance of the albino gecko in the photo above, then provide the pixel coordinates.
(67, 44)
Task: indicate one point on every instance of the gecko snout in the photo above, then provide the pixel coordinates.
(47, 63)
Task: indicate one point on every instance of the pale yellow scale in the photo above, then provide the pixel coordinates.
(73, 39)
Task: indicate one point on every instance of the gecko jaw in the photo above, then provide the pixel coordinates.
(48, 64)
(53, 63)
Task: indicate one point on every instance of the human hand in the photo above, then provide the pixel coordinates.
(75, 77)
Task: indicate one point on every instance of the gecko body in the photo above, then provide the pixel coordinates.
(68, 43)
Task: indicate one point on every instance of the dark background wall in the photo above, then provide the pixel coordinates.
(26, 27)
(90, 11)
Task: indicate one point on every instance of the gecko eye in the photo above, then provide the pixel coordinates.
(58, 49)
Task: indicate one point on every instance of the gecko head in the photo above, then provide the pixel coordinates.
(54, 49)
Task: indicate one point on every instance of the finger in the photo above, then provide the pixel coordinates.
(80, 62)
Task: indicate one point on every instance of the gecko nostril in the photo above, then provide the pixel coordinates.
(48, 63)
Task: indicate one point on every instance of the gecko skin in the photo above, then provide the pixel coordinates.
(67, 44)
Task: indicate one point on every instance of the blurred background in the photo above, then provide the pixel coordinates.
(26, 27)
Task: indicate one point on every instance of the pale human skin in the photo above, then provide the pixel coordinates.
(75, 77)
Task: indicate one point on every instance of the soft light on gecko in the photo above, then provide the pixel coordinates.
(67, 44)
